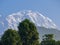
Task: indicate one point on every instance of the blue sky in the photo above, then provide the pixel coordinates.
(50, 8)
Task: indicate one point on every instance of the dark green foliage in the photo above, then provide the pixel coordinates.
(28, 33)
(11, 37)
(48, 37)
(48, 40)
(0, 42)
(57, 42)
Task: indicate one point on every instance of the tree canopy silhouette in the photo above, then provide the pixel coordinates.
(28, 33)
(48, 40)
(11, 37)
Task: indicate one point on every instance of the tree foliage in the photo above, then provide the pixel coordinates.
(0, 42)
(48, 40)
(28, 33)
(57, 42)
(48, 37)
(11, 37)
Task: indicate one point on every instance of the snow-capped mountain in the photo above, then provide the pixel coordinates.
(44, 24)
(35, 17)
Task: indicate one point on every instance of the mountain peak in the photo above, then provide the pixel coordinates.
(35, 17)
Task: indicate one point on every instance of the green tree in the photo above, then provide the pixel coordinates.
(11, 37)
(48, 37)
(57, 42)
(0, 42)
(28, 33)
(48, 40)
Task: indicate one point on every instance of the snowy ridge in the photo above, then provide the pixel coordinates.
(35, 17)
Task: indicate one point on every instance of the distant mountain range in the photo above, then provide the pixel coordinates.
(43, 23)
